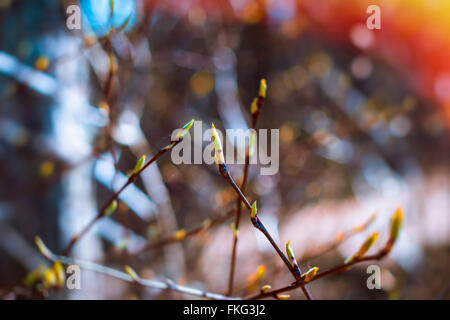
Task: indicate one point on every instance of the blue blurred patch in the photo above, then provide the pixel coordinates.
(97, 15)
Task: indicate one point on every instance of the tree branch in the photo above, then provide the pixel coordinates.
(129, 276)
(115, 196)
(260, 226)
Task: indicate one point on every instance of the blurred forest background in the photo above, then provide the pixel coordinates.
(363, 118)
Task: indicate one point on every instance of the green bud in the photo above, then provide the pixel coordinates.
(218, 151)
(139, 164)
(262, 88)
(111, 208)
(185, 128)
(254, 210)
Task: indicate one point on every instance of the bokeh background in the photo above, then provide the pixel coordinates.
(363, 118)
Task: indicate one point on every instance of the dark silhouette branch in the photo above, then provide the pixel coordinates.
(336, 270)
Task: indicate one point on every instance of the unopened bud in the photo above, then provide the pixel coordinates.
(139, 164)
(364, 247)
(254, 210)
(310, 274)
(218, 151)
(111, 208)
(185, 129)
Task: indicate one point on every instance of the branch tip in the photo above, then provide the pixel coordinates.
(364, 247)
(396, 224)
(266, 288)
(262, 88)
(111, 208)
(218, 151)
(185, 130)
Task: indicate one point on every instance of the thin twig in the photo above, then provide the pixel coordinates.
(156, 284)
(336, 270)
(115, 196)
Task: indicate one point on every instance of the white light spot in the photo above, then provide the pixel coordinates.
(361, 36)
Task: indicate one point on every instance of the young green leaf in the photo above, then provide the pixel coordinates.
(396, 224)
(60, 274)
(290, 254)
(251, 144)
(254, 107)
(185, 128)
(188, 125)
